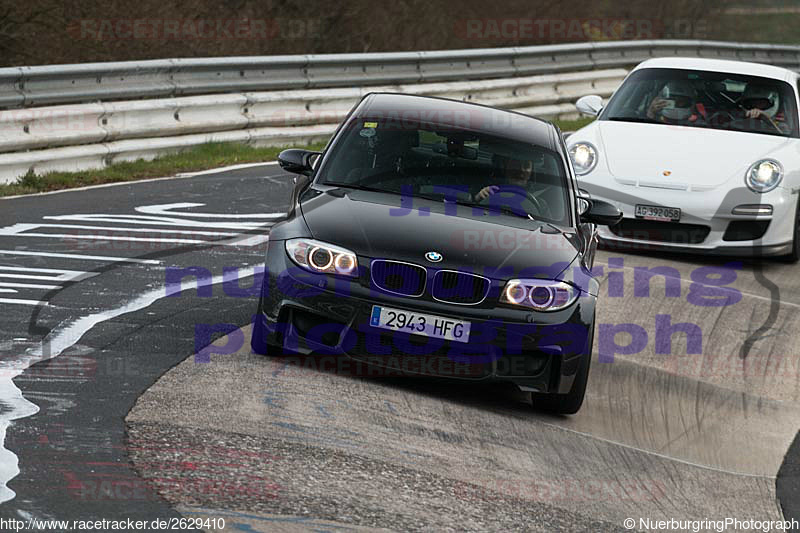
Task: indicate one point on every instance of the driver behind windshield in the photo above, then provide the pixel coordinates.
(760, 102)
(676, 104)
(517, 172)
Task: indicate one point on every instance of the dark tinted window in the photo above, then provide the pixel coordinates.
(438, 162)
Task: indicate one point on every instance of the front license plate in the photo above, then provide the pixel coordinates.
(419, 324)
(652, 212)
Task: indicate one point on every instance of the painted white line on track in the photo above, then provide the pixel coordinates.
(52, 346)
(29, 276)
(18, 407)
(69, 276)
(29, 285)
(254, 240)
(21, 302)
(7, 290)
(108, 258)
(160, 221)
(67, 236)
(168, 210)
(60, 339)
(141, 230)
(224, 169)
(42, 270)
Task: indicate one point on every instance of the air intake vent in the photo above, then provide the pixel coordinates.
(745, 230)
(651, 230)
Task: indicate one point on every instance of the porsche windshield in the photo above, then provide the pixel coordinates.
(703, 99)
(444, 164)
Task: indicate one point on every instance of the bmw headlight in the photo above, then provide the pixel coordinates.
(584, 157)
(539, 294)
(322, 257)
(764, 175)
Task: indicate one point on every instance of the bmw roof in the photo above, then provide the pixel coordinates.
(412, 109)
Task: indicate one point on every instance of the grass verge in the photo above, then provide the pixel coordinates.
(572, 125)
(202, 157)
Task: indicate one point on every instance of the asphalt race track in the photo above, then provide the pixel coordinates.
(110, 415)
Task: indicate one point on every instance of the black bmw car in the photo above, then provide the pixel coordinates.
(435, 237)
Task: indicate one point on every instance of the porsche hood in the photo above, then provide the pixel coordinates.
(679, 157)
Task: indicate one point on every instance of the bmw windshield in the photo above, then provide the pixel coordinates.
(714, 100)
(447, 164)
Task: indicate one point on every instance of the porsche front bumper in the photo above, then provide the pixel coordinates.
(709, 224)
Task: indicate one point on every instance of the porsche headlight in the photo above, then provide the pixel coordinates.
(322, 257)
(764, 175)
(584, 157)
(539, 294)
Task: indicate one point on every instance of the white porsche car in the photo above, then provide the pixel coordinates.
(700, 155)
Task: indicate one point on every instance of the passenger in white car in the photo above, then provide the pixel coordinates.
(760, 102)
(675, 104)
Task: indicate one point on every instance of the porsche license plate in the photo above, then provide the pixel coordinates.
(419, 324)
(653, 212)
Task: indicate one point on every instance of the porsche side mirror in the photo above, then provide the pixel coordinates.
(599, 212)
(583, 206)
(590, 105)
(297, 161)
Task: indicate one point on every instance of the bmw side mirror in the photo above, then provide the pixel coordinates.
(590, 105)
(297, 161)
(598, 212)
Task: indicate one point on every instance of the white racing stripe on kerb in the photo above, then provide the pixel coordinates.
(53, 345)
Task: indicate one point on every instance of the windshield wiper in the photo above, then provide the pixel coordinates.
(502, 209)
(358, 187)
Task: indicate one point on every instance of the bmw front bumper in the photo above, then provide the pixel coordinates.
(325, 316)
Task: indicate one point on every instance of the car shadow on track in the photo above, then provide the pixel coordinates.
(492, 396)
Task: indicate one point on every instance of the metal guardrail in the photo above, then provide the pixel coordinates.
(63, 84)
(549, 95)
(82, 136)
(74, 117)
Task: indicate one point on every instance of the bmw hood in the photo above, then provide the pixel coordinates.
(375, 225)
(679, 157)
